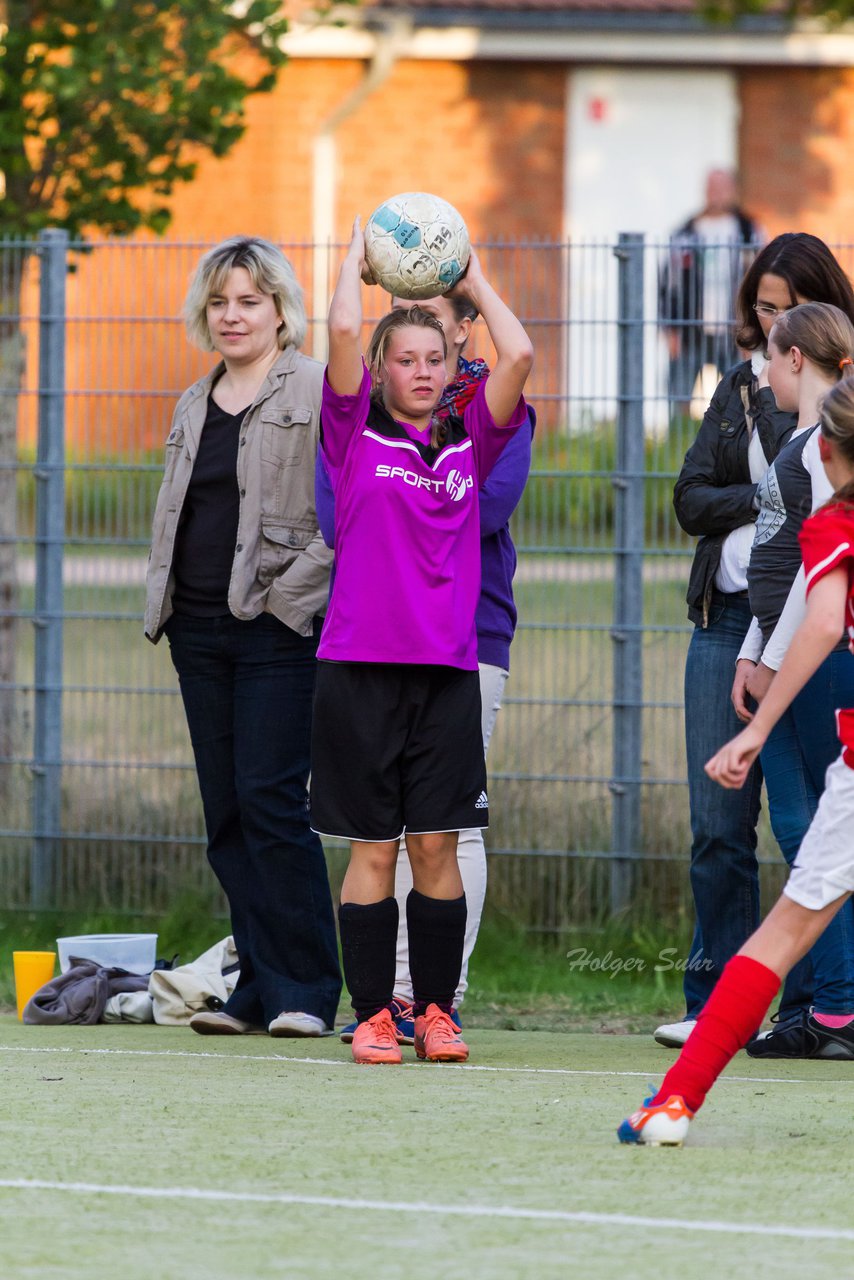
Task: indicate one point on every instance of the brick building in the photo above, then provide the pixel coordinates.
(540, 119)
(492, 102)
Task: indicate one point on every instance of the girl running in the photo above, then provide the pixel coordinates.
(822, 878)
(397, 739)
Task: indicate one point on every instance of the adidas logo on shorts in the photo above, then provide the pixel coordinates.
(482, 802)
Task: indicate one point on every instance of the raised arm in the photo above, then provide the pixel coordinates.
(344, 367)
(514, 352)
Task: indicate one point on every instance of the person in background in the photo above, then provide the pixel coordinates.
(238, 581)
(706, 258)
(495, 622)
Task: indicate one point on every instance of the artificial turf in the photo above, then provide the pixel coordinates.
(162, 1154)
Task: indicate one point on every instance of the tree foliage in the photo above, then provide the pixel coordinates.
(106, 104)
(818, 15)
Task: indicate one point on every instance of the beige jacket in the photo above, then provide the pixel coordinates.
(281, 563)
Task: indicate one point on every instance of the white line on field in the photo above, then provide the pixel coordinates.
(423, 1207)
(345, 1062)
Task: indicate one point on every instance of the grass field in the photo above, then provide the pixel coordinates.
(515, 982)
(148, 1152)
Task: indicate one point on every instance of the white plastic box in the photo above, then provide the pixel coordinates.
(135, 952)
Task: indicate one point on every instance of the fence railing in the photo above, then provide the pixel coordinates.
(98, 800)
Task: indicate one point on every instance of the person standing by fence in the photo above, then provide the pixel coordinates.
(705, 259)
(238, 580)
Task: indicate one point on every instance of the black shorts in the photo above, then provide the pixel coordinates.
(396, 747)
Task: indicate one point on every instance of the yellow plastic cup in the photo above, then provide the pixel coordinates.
(32, 970)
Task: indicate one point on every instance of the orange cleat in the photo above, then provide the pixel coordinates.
(375, 1041)
(437, 1037)
(663, 1124)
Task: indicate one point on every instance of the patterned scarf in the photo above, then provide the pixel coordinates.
(458, 393)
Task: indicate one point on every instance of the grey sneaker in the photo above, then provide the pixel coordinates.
(674, 1034)
(208, 1023)
(298, 1025)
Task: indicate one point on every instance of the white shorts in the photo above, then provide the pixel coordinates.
(824, 867)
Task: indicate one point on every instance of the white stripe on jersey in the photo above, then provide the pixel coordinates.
(822, 564)
(407, 444)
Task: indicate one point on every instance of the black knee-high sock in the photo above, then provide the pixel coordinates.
(368, 948)
(437, 932)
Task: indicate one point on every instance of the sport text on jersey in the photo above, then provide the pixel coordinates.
(454, 484)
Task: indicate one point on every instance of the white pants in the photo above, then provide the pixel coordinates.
(824, 867)
(471, 857)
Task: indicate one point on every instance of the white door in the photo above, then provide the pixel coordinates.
(639, 146)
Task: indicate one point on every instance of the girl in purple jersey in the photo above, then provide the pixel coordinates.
(397, 743)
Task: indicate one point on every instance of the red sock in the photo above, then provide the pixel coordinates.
(735, 1009)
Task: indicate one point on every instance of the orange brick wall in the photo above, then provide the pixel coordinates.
(797, 147)
(488, 138)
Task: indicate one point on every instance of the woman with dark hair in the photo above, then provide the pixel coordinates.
(715, 498)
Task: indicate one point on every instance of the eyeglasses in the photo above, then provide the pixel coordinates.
(765, 309)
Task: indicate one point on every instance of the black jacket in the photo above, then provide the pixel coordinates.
(714, 493)
(680, 282)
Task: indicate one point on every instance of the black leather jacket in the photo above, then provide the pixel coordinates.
(714, 493)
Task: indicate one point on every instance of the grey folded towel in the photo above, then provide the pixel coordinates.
(80, 994)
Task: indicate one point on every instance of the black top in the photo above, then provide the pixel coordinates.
(714, 493)
(785, 497)
(207, 532)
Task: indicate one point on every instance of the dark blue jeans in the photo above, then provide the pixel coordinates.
(696, 349)
(795, 759)
(247, 689)
(724, 869)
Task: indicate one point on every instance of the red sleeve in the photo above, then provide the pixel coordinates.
(827, 541)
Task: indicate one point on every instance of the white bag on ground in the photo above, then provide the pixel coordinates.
(130, 1006)
(191, 988)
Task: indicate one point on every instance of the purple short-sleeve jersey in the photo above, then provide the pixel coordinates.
(407, 531)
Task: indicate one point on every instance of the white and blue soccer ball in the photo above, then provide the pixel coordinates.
(416, 245)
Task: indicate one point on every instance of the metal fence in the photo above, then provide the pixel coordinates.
(99, 801)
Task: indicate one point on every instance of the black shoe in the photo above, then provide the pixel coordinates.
(802, 1037)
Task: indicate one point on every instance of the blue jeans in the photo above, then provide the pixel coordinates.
(724, 869)
(247, 689)
(795, 759)
(696, 349)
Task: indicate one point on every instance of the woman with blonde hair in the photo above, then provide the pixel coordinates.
(238, 580)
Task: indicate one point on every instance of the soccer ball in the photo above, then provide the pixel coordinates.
(416, 245)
